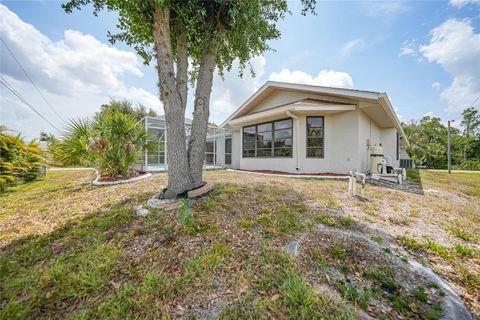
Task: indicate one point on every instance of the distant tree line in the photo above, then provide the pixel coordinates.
(428, 141)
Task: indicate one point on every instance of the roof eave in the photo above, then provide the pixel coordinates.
(387, 106)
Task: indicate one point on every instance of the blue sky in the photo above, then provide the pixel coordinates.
(424, 54)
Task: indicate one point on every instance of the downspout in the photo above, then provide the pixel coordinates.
(296, 137)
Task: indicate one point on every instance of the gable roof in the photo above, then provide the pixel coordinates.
(362, 95)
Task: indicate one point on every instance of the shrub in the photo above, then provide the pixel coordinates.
(18, 160)
(112, 142)
(468, 165)
(116, 142)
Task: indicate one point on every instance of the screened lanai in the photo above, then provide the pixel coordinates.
(218, 145)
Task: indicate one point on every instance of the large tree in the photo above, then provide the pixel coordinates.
(207, 34)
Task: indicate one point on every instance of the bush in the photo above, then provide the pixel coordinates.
(18, 160)
(112, 142)
(468, 165)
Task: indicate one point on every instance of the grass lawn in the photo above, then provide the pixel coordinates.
(71, 250)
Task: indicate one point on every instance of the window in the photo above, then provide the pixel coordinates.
(398, 146)
(315, 137)
(228, 150)
(271, 139)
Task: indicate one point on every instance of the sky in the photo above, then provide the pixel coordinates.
(425, 55)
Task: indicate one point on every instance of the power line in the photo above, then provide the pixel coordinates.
(33, 83)
(474, 101)
(19, 96)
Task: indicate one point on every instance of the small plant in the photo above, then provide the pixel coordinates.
(325, 219)
(346, 221)
(411, 243)
(185, 217)
(376, 238)
(383, 277)
(419, 294)
(360, 298)
(461, 234)
(438, 249)
(370, 212)
(246, 224)
(375, 206)
(338, 251)
(401, 303)
(464, 251)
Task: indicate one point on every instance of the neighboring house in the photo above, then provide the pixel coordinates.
(301, 128)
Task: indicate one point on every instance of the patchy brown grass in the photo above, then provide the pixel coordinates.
(68, 249)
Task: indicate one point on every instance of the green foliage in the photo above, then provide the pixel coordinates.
(352, 294)
(116, 144)
(112, 142)
(18, 160)
(462, 234)
(464, 251)
(72, 150)
(383, 277)
(125, 107)
(428, 141)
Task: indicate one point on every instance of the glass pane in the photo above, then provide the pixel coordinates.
(228, 145)
(264, 127)
(209, 159)
(249, 129)
(209, 146)
(283, 124)
(249, 153)
(283, 143)
(314, 142)
(281, 134)
(264, 152)
(228, 159)
(249, 138)
(315, 122)
(249, 145)
(315, 132)
(315, 152)
(264, 144)
(283, 152)
(264, 136)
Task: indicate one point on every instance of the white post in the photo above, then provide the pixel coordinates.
(354, 184)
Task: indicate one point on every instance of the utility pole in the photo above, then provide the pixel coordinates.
(449, 156)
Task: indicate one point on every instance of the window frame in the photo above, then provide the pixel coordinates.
(307, 137)
(273, 139)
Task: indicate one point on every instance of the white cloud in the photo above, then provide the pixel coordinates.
(456, 47)
(352, 46)
(386, 9)
(408, 48)
(328, 78)
(76, 74)
(462, 3)
(436, 86)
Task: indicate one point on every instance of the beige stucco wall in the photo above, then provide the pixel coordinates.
(341, 148)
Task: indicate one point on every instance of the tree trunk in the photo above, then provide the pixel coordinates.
(174, 101)
(196, 145)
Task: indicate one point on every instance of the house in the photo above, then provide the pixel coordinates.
(300, 128)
